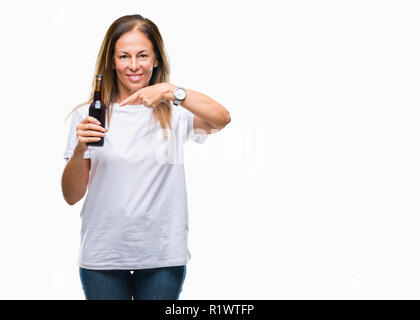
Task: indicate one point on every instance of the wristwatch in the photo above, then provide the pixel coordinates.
(180, 94)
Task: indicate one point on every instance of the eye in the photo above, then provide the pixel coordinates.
(143, 56)
(124, 56)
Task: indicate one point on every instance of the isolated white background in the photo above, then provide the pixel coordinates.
(311, 192)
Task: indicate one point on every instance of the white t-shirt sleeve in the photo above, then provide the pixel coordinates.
(188, 117)
(72, 137)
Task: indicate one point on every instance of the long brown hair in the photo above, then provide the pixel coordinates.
(104, 65)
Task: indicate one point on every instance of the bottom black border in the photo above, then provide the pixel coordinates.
(216, 309)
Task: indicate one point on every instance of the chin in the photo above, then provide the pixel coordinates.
(134, 87)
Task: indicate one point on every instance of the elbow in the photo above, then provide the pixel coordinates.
(223, 122)
(227, 119)
(70, 196)
(70, 201)
(73, 197)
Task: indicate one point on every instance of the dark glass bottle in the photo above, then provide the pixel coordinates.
(97, 108)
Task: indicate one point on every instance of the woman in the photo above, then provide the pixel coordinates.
(135, 215)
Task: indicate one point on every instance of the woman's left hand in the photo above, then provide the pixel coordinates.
(149, 96)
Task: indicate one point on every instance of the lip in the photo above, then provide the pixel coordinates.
(134, 77)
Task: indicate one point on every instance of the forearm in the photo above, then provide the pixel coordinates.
(73, 182)
(202, 106)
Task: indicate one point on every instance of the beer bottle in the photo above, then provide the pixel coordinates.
(97, 108)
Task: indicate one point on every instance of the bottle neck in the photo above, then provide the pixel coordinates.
(98, 92)
(98, 95)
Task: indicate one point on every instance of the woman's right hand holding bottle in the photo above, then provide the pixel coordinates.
(89, 130)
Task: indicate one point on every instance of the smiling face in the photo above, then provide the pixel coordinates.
(134, 60)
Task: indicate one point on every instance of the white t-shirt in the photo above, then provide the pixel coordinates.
(135, 214)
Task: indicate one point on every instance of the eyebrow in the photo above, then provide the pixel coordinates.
(144, 50)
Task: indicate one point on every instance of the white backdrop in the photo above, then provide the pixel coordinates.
(311, 192)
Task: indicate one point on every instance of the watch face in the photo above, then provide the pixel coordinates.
(179, 94)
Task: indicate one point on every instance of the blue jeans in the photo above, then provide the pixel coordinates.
(145, 284)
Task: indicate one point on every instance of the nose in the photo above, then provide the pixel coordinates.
(134, 64)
